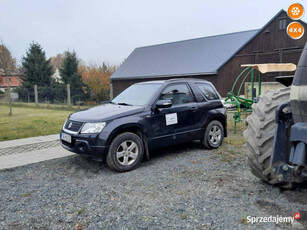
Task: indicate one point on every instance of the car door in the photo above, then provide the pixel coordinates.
(180, 122)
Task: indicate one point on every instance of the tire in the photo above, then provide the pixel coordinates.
(214, 135)
(260, 132)
(125, 152)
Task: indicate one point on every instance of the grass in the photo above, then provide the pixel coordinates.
(235, 140)
(48, 106)
(232, 147)
(80, 211)
(26, 194)
(30, 122)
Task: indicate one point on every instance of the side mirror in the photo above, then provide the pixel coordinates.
(164, 104)
(105, 102)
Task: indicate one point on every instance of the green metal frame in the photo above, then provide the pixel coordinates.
(242, 104)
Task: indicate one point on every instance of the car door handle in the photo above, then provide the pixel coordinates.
(193, 108)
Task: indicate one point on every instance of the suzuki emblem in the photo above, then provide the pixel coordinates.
(70, 124)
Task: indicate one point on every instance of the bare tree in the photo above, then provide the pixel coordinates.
(7, 66)
(57, 61)
(7, 62)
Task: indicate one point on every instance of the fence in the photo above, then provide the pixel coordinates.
(41, 94)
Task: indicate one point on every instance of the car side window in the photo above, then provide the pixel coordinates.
(207, 91)
(177, 93)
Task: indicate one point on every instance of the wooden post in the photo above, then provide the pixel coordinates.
(10, 96)
(28, 95)
(36, 95)
(111, 91)
(68, 96)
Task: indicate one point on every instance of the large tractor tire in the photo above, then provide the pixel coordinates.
(260, 132)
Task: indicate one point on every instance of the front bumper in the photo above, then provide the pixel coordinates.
(85, 144)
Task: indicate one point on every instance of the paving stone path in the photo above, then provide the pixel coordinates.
(31, 150)
(29, 147)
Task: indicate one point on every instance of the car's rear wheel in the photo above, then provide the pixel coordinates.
(125, 152)
(214, 135)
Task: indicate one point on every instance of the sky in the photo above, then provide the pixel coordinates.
(109, 30)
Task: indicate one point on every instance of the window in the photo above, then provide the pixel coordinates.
(177, 93)
(207, 91)
(137, 94)
(282, 24)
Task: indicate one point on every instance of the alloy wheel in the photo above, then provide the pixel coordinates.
(127, 152)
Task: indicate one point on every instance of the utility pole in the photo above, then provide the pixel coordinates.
(10, 95)
(68, 96)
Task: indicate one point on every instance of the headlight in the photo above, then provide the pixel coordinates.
(64, 124)
(93, 127)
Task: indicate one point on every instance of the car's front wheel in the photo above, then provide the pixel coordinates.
(214, 135)
(125, 152)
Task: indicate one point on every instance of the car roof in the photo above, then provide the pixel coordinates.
(173, 80)
(151, 82)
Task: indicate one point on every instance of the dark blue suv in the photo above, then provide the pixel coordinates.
(146, 116)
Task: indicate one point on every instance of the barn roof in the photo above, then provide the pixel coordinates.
(189, 57)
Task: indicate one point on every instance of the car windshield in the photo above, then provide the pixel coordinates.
(137, 94)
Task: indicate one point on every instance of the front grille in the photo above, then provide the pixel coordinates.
(73, 126)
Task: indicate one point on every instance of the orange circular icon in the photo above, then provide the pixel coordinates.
(295, 11)
(295, 30)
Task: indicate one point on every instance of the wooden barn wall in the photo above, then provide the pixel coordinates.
(270, 46)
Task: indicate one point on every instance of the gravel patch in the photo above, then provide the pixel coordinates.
(183, 187)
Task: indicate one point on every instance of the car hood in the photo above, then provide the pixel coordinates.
(105, 112)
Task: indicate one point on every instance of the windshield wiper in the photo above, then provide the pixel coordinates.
(111, 102)
(123, 103)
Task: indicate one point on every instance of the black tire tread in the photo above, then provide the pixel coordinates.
(260, 130)
(110, 162)
(205, 141)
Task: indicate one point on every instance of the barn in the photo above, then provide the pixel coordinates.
(215, 58)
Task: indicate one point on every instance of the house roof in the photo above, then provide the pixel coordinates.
(2, 73)
(190, 57)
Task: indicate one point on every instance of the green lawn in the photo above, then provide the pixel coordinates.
(30, 122)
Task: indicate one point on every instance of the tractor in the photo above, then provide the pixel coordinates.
(276, 134)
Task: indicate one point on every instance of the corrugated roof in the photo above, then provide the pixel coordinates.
(190, 57)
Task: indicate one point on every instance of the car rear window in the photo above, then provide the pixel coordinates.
(207, 91)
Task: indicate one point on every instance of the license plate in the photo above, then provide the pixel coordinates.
(66, 137)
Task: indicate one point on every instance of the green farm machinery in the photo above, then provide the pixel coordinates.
(244, 104)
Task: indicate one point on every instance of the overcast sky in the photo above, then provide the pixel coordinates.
(109, 30)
